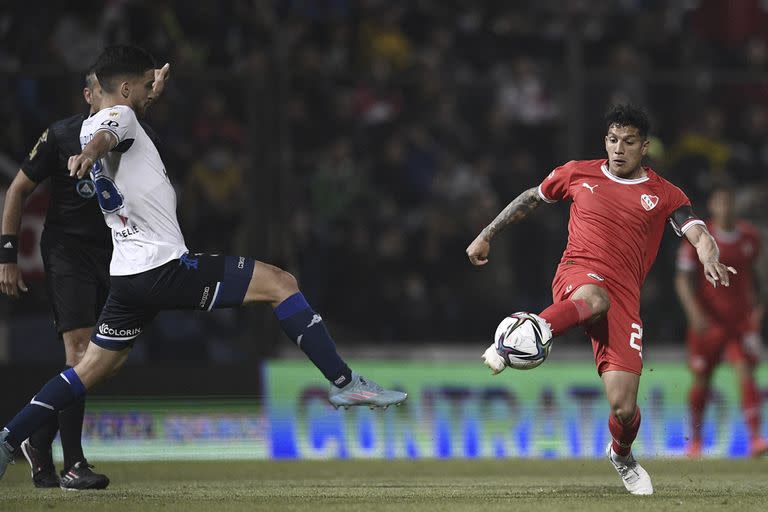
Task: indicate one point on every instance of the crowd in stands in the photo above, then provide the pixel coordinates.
(405, 126)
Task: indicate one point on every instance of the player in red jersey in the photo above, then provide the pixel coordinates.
(617, 218)
(723, 322)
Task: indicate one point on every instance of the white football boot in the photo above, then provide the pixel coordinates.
(635, 478)
(493, 360)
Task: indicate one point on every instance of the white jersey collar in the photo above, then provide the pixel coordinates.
(623, 181)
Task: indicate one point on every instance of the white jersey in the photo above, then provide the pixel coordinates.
(135, 194)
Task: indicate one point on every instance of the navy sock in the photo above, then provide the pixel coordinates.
(307, 330)
(57, 394)
(43, 437)
(71, 431)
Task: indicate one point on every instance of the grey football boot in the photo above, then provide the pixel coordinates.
(6, 453)
(361, 391)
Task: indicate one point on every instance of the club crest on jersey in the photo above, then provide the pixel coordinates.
(85, 189)
(649, 202)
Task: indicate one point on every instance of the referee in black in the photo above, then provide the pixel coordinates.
(76, 246)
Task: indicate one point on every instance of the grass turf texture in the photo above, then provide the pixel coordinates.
(402, 486)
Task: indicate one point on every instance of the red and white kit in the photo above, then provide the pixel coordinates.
(614, 232)
(729, 310)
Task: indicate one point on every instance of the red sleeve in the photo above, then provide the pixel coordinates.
(676, 198)
(687, 260)
(556, 185)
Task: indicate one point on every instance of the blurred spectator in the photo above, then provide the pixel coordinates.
(391, 132)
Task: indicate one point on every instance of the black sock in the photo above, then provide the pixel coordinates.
(71, 430)
(307, 330)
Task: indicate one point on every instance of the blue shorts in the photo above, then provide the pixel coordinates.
(198, 281)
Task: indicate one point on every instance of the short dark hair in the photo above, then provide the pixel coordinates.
(121, 60)
(628, 115)
(90, 77)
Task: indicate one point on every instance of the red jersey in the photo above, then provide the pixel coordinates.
(740, 249)
(615, 224)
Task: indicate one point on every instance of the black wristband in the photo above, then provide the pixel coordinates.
(9, 248)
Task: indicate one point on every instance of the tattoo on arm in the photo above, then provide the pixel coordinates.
(515, 211)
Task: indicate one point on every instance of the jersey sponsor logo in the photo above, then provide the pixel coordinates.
(113, 114)
(106, 330)
(649, 202)
(129, 231)
(589, 187)
(596, 277)
(110, 123)
(85, 189)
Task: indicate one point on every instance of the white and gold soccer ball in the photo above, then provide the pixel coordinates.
(522, 341)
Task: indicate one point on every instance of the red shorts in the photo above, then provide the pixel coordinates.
(706, 350)
(617, 339)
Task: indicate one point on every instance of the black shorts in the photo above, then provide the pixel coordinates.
(77, 279)
(198, 281)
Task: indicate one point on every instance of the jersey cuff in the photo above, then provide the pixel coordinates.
(113, 132)
(543, 197)
(31, 177)
(689, 224)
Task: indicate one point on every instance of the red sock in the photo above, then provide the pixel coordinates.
(750, 406)
(697, 400)
(566, 314)
(624, 433)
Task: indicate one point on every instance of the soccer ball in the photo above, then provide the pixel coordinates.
(523, 340)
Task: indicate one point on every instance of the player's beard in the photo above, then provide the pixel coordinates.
(141, 108)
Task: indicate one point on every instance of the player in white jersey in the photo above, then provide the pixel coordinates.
(151, 269)
(134, 192)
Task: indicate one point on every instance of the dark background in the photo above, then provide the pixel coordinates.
(362, 145)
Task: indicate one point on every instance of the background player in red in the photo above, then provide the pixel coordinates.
(617, 219)
(723, 322)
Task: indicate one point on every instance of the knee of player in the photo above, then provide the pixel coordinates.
(623, 411)
(286, 283)
(600, 303)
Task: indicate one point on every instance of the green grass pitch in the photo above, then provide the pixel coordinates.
(401, 486)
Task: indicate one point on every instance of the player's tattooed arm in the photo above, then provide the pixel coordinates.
(515, 211)
(709, 255)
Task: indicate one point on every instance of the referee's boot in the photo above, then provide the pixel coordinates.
(41, 463)
(361, 391)
(80, 477)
